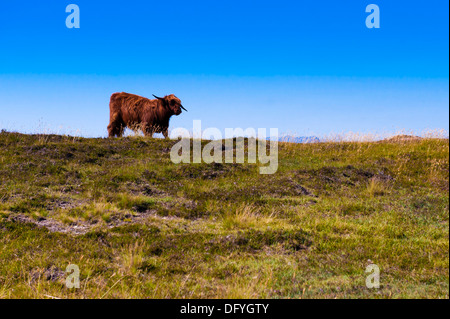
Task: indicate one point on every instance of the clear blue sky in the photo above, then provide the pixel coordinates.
(306, 67)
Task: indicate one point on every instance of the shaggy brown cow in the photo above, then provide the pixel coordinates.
(137, 112)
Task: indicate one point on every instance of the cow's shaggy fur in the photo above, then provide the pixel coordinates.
(137, 112)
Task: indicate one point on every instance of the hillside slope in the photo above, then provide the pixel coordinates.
(139, 226)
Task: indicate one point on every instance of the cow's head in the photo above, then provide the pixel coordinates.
(172, 103)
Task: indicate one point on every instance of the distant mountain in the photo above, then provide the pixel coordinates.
(297, 139)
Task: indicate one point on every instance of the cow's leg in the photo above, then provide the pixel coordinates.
(148, 130)
(116, 129)
(120, 130)
(166, 132)
(116, 126)
(112, 129)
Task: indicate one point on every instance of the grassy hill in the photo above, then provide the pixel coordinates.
(139, 226)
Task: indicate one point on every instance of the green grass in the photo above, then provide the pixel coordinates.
(139, 226)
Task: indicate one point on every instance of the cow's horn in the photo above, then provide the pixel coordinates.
(183, 108)
(160, 98)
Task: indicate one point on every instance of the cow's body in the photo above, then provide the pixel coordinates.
(137, 112)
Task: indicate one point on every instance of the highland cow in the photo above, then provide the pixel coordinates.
(137, 112)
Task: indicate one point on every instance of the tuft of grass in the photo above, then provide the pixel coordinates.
(137, 203)
(131, 258)
(245, 216)
(377, 187)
